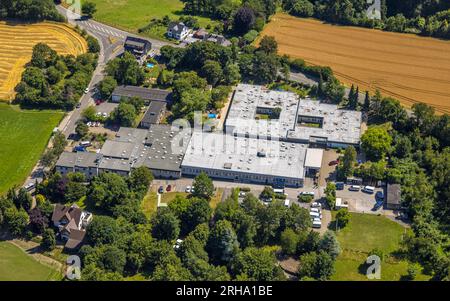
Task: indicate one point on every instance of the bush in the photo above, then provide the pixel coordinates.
(342, 217)
(48, 239)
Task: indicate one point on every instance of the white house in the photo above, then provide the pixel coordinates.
(178, 31)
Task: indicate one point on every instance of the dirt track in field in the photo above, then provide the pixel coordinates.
(404, 66)
(16, 45)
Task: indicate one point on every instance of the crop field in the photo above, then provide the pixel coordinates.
(407, 67)
(17, 41)
(23, 137)
(130, 15)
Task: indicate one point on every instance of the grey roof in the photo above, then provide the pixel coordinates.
(393, 194)
(217, 151)
(136, 42)
(117, 149)
(177, 27)
(339, 126)
(153, 112)
(158, 152)
(144, 93)
(79, 159)
(115, 164)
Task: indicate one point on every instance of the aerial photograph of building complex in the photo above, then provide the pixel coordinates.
(265, 145)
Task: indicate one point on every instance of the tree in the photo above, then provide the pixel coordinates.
(231, 74)
(376, 142)
(301, 8)
(212, 71)
(342, 217)
(93, 44)
(204, 187)
(366, 105)
(348, 161)
(43, 56)
(124, 115)
(244, 19)
(330, 244)
(222, 243)
(16, 220)
(38, 220)
(75, 187)
(267, 194)
(257, 265)
(412, 271)
(268, 45)
(113, 259)
(140, 179)
(107, 86)
(166, 225)
(197, 212)
(265, 67)
(88, 8)
(102, 230)
(330, 192)
(319, 266)
(288, 241)
(81, 129)
(48, 239)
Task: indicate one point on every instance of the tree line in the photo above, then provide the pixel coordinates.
(30, 10)
(426, 17)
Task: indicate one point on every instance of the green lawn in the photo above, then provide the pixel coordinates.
(23, 137)
(131, 15)
(364, 233)
(16, 265)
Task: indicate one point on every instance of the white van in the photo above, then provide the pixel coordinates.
(315, 210)
(287, 203)
(354, 188)
(278, 191)
(317, 224)
(313, 214)
(369, 189)
(316, 205)
(310, 193)
(85, 143)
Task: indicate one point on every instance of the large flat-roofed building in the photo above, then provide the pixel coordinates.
(148, 95)
(324, 124)
(257, 112)
(84, 162)
(247, 160)
(132, 148)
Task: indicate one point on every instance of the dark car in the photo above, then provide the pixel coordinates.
(339, 185)
(378, 205)
(334, 162)
(169, 188)
(379, 195)
(161, 189)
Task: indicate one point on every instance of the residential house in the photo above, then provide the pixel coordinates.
(177, 31)
(71, 223)
(138, 47)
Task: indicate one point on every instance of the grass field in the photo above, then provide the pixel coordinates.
(17, 42)
(405, 66)
(131, 15)
(16, 265)
(23, 137)
(364, 233)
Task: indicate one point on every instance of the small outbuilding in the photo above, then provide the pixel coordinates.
(313, 161)
(393, 196)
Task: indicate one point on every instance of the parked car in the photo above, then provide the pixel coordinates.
(78, 105)
(369, 189)
(378, 205)
(334, 162)
(354, 188)
(315, 210)
(316, 205)
(310, 193)
(313, 214)
(29, 186)
(86, 90)
(161, 189)
(242, 194)
(339, 185)
(188, 189)
(379, 195)
(317, 224)
(287, 203)
(169, 187)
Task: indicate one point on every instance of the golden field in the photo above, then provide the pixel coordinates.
(405, 66)
(16, 44)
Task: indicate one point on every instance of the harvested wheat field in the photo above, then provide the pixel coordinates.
(16, 44)
(405, 66)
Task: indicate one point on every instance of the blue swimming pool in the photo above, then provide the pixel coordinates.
(149, 65)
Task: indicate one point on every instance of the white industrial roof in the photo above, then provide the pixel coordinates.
(314, 157)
